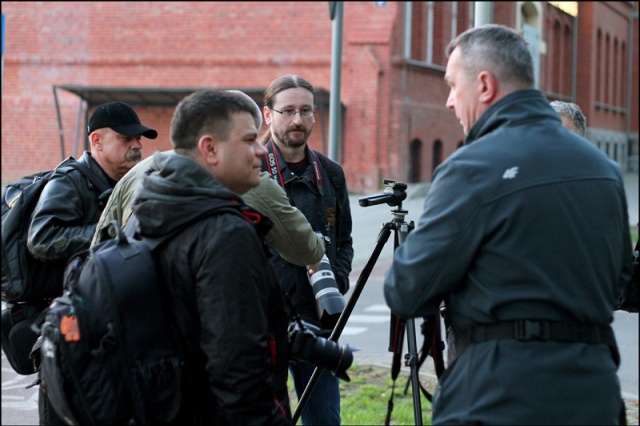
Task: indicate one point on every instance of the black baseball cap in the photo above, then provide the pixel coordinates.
(120, 118)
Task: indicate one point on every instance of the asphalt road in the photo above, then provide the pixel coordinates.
(368, 326)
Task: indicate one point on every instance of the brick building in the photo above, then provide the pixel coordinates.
(62, 59)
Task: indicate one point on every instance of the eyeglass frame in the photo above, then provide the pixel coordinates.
(293, 114)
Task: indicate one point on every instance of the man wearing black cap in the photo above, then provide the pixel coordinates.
(69, 207)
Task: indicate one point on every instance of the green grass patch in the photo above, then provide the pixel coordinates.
(364, 400)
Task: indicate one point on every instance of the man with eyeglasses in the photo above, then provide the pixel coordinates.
(315, 185)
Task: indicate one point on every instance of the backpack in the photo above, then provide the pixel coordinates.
(111, 352)
(25, 278)
(17, 336)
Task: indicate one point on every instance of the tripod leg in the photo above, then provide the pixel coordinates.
(383, 236)
(412, 362)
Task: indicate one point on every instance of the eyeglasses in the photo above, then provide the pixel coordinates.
(290, 112)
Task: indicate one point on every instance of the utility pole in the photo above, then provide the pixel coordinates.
(335, 13)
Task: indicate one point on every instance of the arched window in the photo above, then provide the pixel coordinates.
(556, 64)
(600, 74)
(607, 70)
(415, 160)
(437, 155)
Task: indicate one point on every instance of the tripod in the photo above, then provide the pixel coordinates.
(393, 195)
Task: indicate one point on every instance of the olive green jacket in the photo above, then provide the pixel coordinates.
(291, 234)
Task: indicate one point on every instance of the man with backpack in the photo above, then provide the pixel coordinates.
(69, 206)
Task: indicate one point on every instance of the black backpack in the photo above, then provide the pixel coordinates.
(25, 278)
(111, 352)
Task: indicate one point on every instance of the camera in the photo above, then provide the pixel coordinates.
(306, 346)
(329, 301)
(393, 194)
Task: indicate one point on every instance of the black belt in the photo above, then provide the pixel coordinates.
(528, 330)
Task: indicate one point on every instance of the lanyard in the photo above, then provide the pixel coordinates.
(273, 158)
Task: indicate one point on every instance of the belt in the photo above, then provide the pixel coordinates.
(529, 330)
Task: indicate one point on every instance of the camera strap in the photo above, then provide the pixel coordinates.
(274, 165)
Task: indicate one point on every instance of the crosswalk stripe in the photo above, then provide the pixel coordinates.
(351, 331)
(378, 308)
(373, 319)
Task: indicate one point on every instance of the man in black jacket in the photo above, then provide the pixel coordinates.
(69, 207)
(525, 235)
(315, 185)
(226, 296)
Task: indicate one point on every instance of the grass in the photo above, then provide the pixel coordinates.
(364, 400)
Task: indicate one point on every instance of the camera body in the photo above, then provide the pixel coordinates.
(306, 346)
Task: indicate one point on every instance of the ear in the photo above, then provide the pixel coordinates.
(209, 149)
(488, 87)
(95, 141)
(267, 115)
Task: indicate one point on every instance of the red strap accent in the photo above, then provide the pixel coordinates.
(272, 351)
(252, 217)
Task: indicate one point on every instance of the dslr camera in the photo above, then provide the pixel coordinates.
(306, 346)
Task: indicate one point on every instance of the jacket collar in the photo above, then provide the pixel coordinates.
(514, 108)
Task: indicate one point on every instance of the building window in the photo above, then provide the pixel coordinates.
(556, 58)
(607, 71)
(437, 155)
(430, 26)
(600, 73)
(415, 155)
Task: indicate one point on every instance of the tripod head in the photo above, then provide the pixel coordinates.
(393, 194)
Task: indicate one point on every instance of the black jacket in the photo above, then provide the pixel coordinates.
(526, 221)
(67, 213)
(325, 204)
(226, 297)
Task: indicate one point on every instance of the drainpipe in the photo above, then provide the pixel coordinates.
(483, 13)
(407, 30)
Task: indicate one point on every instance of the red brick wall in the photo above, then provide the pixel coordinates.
(388, 103)
(597, 76)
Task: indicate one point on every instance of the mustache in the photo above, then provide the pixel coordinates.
(296, 128)
(134, 155)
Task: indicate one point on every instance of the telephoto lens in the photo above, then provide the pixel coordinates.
(305, 346)
(329, 301)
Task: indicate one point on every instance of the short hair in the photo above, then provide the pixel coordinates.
(209, 111)
(573, 112)
(498, 49)
(285, 82)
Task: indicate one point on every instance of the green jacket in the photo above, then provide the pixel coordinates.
(291, 234)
